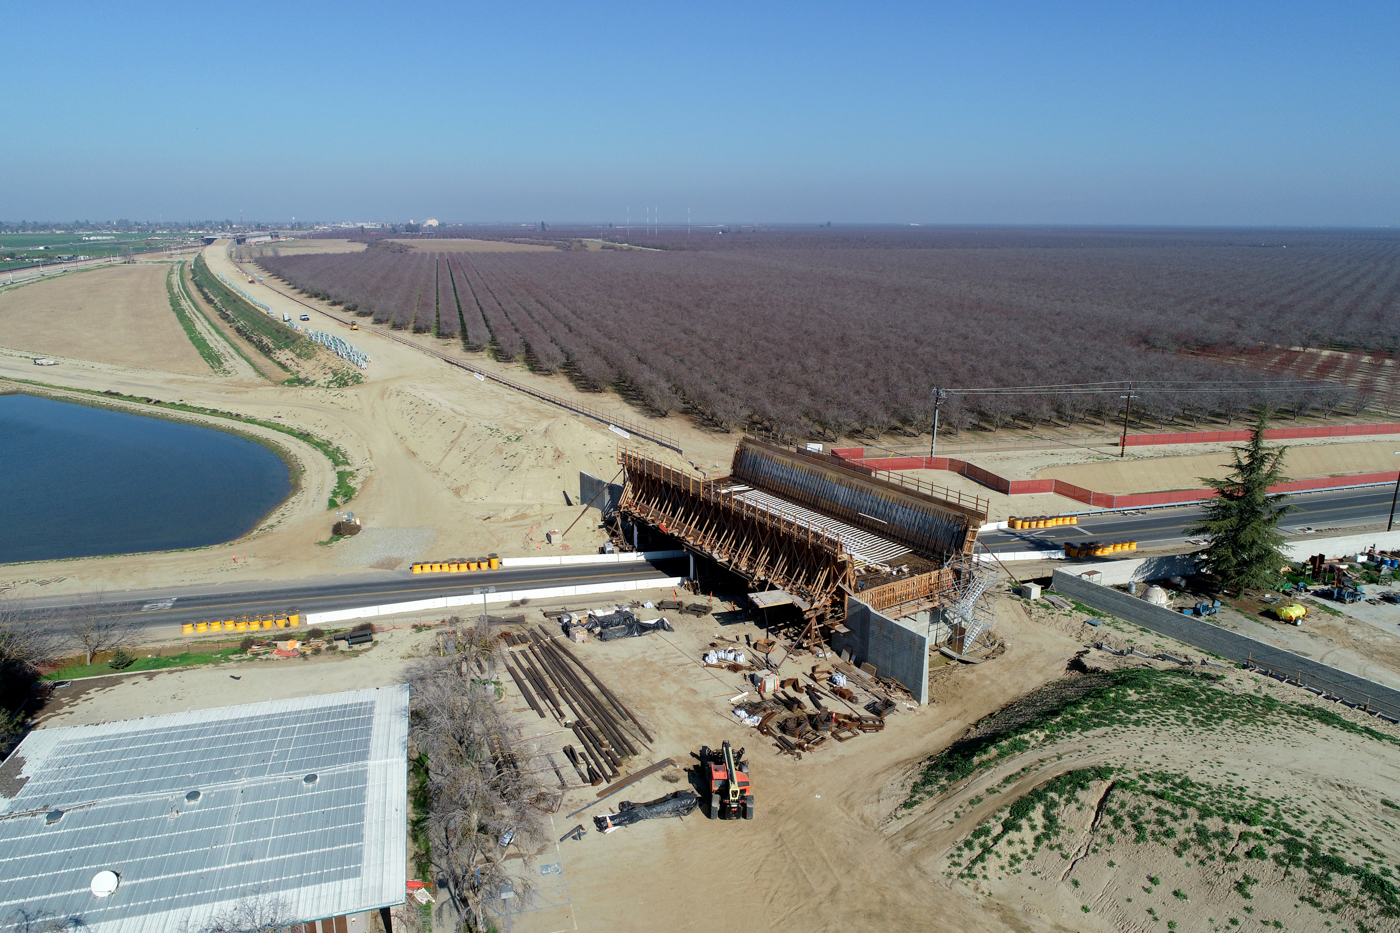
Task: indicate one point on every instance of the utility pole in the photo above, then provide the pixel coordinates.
(1127, 410)
(939, 396)
(1396, 495)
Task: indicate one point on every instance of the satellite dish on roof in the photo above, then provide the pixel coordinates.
(104, 883)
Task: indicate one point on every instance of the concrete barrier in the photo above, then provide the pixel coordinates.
(1117, 572)
(505, 596)
(1010, 557)
(630, 557)
(1348, 687)
(1303, 548)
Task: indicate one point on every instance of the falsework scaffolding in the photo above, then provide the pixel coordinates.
(812, 530)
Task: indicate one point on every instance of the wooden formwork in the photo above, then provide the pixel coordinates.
(911, 594)
(931, 526)
(764, 547)
(776, 549)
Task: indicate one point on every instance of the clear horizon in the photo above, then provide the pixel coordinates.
(1073, 115)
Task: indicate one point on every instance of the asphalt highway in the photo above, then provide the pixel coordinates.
(160, 612)
(1322, 511)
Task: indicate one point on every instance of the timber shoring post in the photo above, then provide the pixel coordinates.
(609, 723)
(570, 681)
(583, 702)
(594, 757)
(564, 654)
(617, 704)
(605, 746)
(527, 664)
(524, 689)
(559, 774)
(572, 755)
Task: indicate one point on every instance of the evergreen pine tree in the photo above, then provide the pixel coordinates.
(1246, 547)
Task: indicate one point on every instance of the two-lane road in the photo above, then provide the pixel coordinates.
(161, 612)
(1163, 527)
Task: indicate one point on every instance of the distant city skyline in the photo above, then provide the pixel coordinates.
(1066, 114)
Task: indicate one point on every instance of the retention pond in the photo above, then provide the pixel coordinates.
(77, 481)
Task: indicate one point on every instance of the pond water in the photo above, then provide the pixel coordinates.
(77, 481)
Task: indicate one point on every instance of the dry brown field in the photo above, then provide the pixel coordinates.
(1184, 472)
(452, 245)
(310, 246)
(119, 315)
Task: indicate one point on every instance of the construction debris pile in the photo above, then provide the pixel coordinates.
(678, 804)
(609, 624)
(552, 681)
(800, 713)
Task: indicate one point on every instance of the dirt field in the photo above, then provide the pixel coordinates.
(308, 246)
(1184, 472)
(119, 315)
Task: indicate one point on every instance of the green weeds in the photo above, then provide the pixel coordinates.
(206, 351)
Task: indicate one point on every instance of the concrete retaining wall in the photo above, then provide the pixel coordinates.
(452, 602)
(590, 486)
(898, 650)
(1241, 648)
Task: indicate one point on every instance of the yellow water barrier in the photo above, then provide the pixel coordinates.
(201, 627)
(495, 562)
(187, 628)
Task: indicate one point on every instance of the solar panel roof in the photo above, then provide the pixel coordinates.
(297, 805)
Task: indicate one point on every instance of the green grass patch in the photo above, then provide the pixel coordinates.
(1225, 822)
(145, 664)
(253, 324)
(1135, 697)
(228, 344)
(420, 797)
(344, 492)
(206, 352)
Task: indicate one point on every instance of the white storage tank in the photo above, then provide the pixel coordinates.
(1156, 596)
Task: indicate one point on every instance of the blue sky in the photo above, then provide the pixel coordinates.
(1212, 113)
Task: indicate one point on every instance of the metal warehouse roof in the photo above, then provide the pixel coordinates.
(259, 829)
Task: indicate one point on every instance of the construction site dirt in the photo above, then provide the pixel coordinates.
(834, 845)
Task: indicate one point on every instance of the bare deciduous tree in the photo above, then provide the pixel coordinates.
(24, 920)
(484, 801)
(261, 913)
(28, 640)
(100, 624)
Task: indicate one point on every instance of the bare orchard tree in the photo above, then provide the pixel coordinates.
(483, 801)
(27, 641)
(1331, 397)
(99, 624)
